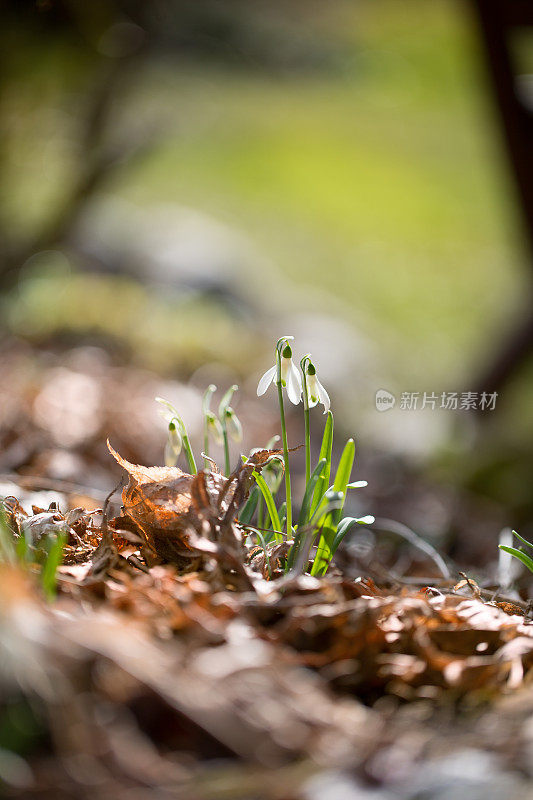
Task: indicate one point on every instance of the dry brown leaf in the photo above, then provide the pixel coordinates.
(158, 500)
(183, 517)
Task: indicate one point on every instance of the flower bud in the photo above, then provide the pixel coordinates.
(214, 427)
(233, 425)
(174, 438)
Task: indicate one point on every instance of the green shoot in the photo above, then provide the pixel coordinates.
(305, 511)
(283, 350)
(271, 506)
(249, 508)
(519, 554)
(325, 452)
(208, 419)
(330, 523)
(224, 418)
(306, 360)
(53, 560)
(19, 551)
(177, 426)
(8, 550)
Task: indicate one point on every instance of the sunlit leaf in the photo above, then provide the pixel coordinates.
(270, 504)
(523, 557)
(325, 452)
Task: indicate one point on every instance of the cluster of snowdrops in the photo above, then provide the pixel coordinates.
(316, 533)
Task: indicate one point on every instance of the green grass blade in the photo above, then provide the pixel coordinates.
(344, 471)
(8, 551)
(524, 541)
(260, 512)
(305, 535)
(324, 551)
(248, 511)
(270, 504)
(22, 549)
(346, 525)
(355, 485)
(282, 514)
(48, 573)
(325, 452)
(305, 511)
(523, 557)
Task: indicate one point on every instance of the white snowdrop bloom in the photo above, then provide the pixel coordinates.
(173, 446)
(214, 427)
(290, 377)
(315, 391)
(266, 380)
(233, 425)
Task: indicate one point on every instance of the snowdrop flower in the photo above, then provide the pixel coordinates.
(315, 391)
(266, 380)
(290, 377)
(233, 425)
(285, 375)
(166, 410)
(214, 427)
(177, 436)
(173, 446)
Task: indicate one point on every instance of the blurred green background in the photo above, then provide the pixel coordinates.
(377, 177)
(351, 146)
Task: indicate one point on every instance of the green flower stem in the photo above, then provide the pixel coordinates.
(307, 446)
(260, 515)
(303, 366)
(190, 455)
(206, 443)
(205, 411)
(222, 409)
(226, 448)
(285, 447)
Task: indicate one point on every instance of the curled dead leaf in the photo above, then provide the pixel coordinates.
(161, 501)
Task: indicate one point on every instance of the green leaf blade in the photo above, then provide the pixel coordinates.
(48, 573)
(325, 551)
(524, 541)
(326, 450)
(523, 557)
(316, 475)
(270, 504)
(346, 525)
(249, 508)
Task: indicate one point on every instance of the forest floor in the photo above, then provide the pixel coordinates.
(167, 661)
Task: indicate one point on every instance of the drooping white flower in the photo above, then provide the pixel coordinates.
(290, 377)
(173, 446)
(266, 380)
(233, 425)
(315, 391)
(214, 427)
(166, 410)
